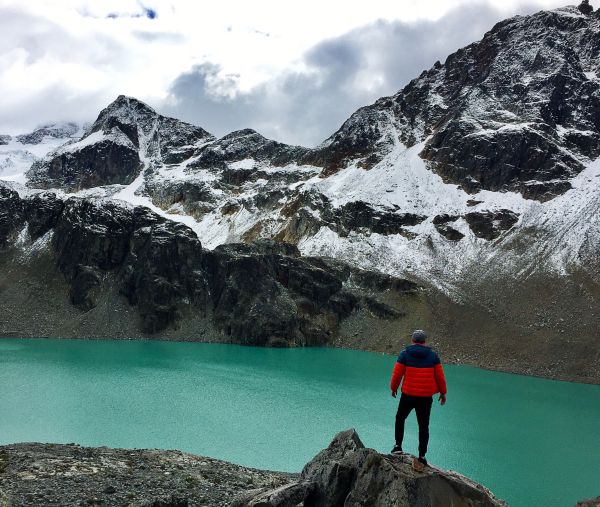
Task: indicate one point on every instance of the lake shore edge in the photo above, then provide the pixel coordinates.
(510, 367)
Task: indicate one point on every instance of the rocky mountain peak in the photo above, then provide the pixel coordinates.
(517, 108)
(127, 135)
(137, 119)
(124, 111)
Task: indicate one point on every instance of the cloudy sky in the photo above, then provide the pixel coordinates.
(293, 70)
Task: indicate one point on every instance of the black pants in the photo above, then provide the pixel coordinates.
(422, 406)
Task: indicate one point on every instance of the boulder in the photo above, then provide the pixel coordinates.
(347, 474)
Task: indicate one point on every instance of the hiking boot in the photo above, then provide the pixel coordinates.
(419, 463)
(397, 450)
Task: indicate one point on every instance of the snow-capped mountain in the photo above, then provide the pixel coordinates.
(479, 181)
(18, 153)
(500, 137)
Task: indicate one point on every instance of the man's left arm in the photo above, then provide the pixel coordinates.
(397, 375)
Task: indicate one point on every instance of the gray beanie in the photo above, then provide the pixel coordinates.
(419, 336)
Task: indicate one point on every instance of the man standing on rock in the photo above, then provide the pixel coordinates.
(423, 377)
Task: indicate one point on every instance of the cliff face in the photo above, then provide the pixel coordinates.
(260, 294)
(344, 474)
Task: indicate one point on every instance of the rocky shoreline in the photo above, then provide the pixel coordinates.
(346, 473)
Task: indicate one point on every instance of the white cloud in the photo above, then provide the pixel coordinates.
(67, 59)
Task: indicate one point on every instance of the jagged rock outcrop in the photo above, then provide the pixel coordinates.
(442, 225)
(5, 139)
(348, 474)
(360, 216)
(246, 144)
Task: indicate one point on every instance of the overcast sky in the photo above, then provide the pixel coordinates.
(293, 70)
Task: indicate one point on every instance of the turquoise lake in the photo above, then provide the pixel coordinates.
(533, 442)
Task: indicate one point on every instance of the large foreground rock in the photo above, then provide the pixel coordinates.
(347, 474)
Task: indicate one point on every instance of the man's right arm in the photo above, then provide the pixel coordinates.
(440, 379)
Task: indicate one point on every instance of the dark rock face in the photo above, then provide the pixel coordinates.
(441, 224)
(11, 216)
(490, 224)
(347, 474)
(5, 139)
(42, 213)
(259, 294)
(585, 7)
(246, 144)
(103, 163)
(196, 198)
(354, 216)
(360, 216)
(487, 225)
(544, 190)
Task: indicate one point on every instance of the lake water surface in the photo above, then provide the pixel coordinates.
(534, 442)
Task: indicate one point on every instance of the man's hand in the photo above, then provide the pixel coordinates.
(394, 393)
(442, 399)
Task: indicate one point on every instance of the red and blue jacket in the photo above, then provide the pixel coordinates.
(422, 371)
